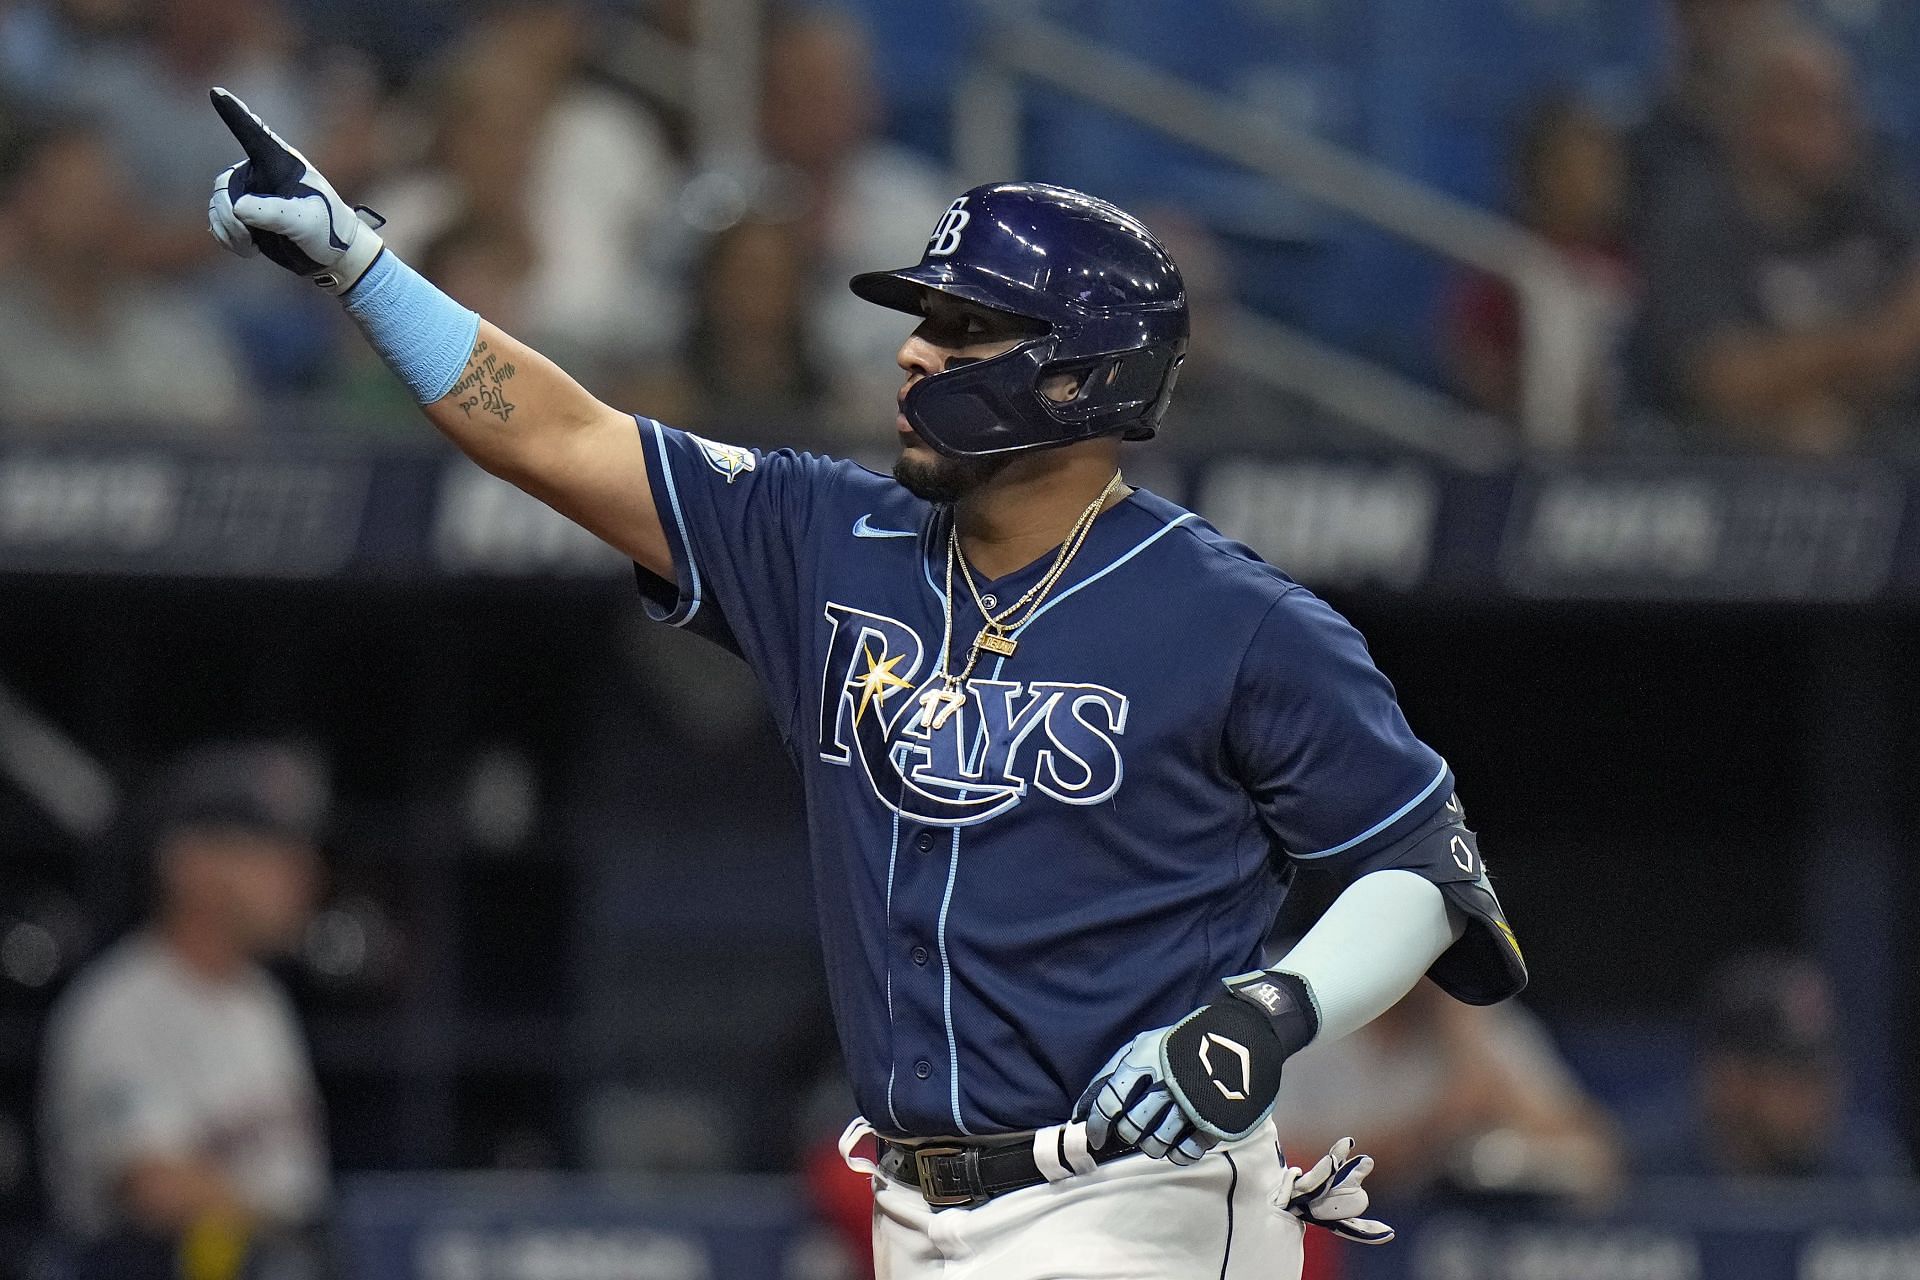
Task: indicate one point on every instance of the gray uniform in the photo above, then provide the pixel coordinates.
(147, 1059)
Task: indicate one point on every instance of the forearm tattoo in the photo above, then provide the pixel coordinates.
(483, 385)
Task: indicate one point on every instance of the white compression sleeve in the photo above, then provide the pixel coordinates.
(1370, 947)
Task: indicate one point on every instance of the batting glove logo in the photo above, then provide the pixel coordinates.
(1240, 1055)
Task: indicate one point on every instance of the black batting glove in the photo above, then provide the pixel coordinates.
(1212, 1077)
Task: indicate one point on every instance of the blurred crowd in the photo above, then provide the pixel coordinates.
(534, 189)
(1742, 251)
(1748, 245)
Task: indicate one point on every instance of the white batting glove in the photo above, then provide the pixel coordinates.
(276, 203)
(1130, 1101)
(1330, 1195)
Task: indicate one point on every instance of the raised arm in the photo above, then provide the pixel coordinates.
(523, 418)
(509, 408)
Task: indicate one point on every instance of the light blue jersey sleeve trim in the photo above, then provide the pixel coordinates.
(679, 617)
(1082, 585)
(1385, 822)
(1000, 663)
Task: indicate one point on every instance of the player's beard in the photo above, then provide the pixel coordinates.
(946, 480)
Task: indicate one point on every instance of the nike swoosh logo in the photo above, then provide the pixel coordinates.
(861, 529)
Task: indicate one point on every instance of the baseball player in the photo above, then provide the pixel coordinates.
(1063, 744)
(182, 1127)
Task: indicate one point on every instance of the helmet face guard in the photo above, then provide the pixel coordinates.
(997, 405)
(1110, 299)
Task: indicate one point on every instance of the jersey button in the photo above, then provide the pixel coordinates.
(990, 601)
(919, 955)
(925, 842)
(923, 1068)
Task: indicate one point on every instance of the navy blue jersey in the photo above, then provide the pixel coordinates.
(1098, 836)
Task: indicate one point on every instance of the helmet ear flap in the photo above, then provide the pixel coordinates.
(1139, 381)
(1150, 421)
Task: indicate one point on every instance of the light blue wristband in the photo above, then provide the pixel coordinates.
(422, 334)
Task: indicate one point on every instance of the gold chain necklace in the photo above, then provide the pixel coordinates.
(940, 701)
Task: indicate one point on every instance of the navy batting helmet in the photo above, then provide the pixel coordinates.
(1111, 302)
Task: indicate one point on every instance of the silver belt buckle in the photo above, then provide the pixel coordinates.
(939, 1199)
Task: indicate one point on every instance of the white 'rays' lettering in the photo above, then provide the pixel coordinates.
(1011, 737)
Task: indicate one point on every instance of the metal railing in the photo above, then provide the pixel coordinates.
(1556, 312)
(713, 79)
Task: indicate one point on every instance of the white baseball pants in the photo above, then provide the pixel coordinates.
(1221, 1218)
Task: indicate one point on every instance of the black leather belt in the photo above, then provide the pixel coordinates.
(966, 1175)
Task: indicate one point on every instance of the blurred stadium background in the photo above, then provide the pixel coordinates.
(1461, 269)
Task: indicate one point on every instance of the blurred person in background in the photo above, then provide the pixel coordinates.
(750, 353)
(85, 338)
(1782, 309)
(40, 41)
(1218, 408)
(749, 360)
(1770, 1085)
(854, 196)
(181, 1121)
(1453, 1099)
(523, 138)
(486, 262)
(1569, 177)
(1679, 136)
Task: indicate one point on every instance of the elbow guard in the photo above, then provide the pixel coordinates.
(1486, 965)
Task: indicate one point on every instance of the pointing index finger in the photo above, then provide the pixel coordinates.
(261, 146)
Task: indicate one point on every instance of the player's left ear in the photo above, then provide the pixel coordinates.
(1068, 385)
(1061, 388)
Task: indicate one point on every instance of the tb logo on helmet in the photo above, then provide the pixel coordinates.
(945, 239)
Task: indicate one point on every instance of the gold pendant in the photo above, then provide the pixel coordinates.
(938, 705)
(993, 642)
